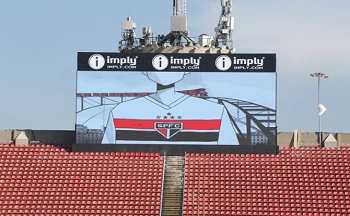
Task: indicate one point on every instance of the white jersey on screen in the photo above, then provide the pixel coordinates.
(186, 120)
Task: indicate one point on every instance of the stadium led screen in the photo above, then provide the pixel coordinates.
(195, 99)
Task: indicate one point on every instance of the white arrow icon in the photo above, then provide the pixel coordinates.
(322, 109)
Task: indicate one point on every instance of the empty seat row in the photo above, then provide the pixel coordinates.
(296, 182)
(48, 180)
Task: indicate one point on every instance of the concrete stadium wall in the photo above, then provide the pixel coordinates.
(6, 136)
(308, 138)
(285, 139)
(40, 136)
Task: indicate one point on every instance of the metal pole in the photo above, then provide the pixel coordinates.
(319, 116)
(319, 76)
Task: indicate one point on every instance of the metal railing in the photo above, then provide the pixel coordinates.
(163, 178)
(183, 186)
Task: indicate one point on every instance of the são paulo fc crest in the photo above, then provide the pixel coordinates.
(168, 129)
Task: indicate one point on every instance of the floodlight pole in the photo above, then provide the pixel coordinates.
(319, 75)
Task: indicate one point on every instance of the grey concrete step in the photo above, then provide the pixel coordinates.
(173, 186)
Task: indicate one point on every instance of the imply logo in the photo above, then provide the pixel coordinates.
(97, 61)
(223, 63)
(160, 62)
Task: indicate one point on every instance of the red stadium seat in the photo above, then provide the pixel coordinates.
(312, 181)
(46, 180)
(263, 176)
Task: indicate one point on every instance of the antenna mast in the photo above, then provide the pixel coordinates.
(223, 32)
(179, 7)
(128, 33)
(178, 38)
(178, 26)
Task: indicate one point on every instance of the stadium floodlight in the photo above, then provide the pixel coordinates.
(319, 105)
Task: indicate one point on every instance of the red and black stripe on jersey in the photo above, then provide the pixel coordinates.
(144, 130)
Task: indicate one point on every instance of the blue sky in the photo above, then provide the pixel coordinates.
(39, 40)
